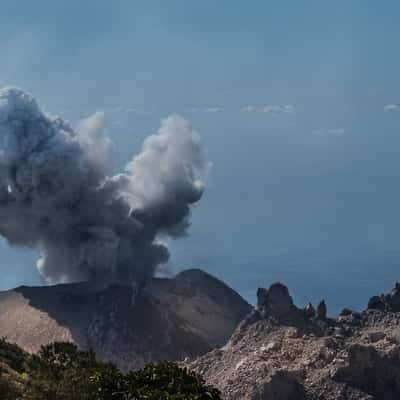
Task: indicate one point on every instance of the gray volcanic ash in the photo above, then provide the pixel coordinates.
(55, 193)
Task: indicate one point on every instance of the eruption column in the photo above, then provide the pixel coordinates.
(55, 193)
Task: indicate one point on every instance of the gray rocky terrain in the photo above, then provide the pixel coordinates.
(282, 352)
(165, 319)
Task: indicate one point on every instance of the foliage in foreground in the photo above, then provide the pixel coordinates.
(62, 372)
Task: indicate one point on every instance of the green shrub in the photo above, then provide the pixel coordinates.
(60, 371)
(9, 389)
(167, 381)
(13, 356)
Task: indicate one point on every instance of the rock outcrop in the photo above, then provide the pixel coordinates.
(276, 301)
(387, 302)
(165, 319)
(281, 352)
(321, 310)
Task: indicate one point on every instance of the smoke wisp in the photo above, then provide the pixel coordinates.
(55, 193)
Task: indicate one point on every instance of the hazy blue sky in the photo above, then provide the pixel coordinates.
(298, 104)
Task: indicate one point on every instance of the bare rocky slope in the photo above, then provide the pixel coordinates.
(166, 319)
(281, 352)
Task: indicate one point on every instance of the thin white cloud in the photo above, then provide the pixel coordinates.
(329, 132)
(289, 109)
(127, 110)
(392, 107)
(206, 110)
(132, 110)
(213, 109)
(317, 132)
(273, 109)
(117, 109)
(248, 109)
(337, 131)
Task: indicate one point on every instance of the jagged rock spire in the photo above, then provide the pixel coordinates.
(321, 310)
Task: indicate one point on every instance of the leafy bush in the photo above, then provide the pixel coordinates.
(8, 388)
(167, 381)
(60, 371)
(13, 355)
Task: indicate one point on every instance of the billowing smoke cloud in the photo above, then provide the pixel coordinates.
(55, 193)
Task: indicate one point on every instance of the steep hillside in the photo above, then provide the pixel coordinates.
(167, 319)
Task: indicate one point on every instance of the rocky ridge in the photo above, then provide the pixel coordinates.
(282, 352)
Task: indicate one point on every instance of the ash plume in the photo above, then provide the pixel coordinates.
(55, 193)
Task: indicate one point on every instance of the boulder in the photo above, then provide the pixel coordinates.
(376, 303)
(281, 385)
(387, 302)
(276, 301)
(371, 371)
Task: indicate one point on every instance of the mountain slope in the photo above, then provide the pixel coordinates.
(167, 318)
